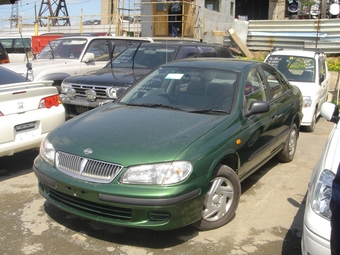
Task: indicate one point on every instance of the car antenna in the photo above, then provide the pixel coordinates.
(133, 57)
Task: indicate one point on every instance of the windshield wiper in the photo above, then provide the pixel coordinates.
(209, 111)
(156, 106)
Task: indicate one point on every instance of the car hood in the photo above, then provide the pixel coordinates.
(110, 77)
(39, 64)
(131, 135)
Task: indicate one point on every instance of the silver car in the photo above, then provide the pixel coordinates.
(316, 222)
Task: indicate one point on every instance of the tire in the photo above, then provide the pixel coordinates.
(288, 152)
(313, 123)
(221, 200)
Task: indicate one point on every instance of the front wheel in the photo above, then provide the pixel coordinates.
(221, 200)
(288, 152)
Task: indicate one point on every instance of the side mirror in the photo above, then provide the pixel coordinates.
(88, 57)
(257, 107)
(330, 112)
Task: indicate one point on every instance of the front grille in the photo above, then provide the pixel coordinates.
(90, 208)
(100, 90)
(87, 169)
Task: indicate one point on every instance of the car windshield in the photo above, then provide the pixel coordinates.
(63, 49)
(149, 56)
(8, 77)
(300, 69)
(189, 89)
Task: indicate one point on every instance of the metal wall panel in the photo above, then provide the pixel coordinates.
(263, 35)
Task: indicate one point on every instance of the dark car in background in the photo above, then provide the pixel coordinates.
(84, 92)
(3, 55)
(174, 148)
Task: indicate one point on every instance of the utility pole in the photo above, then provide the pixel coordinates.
(324, 9)
(55, 17)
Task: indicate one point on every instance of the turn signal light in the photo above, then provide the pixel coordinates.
(50, 101)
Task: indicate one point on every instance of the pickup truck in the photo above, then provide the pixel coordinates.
(73, 55)
(84, 92)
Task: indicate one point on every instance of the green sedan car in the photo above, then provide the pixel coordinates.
(173, 149)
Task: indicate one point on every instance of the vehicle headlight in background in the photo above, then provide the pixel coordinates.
(91, 95)
(307, 102)
(47, 151)
(65, 86)
(111, 92)
(321, 198)
(161, 173)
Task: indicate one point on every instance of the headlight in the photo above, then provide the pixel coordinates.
(162, 173)
(307, 102)
(65, 86)
(47, 152)
(111, 92)
(322, 194)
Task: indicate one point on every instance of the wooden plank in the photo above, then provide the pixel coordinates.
(219, 33)
(239, 43)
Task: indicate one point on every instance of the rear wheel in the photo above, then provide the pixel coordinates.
(221, 200)
(288, 152)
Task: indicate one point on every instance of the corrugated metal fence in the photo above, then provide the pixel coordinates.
(263, 35)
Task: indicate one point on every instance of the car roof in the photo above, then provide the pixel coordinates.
(300, 53)
(92, 37)
(237, 65)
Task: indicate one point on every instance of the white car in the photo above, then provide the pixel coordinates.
(28, 112)
(307, 69)
(73, 55)
(316, 223)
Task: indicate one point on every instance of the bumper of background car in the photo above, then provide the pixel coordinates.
(156, 214)
(45, 121)
(307, 116)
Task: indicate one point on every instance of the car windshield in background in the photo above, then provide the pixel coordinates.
(63, 48)
(149, 56)
(8, 77)
(188, 89)
(300, 69)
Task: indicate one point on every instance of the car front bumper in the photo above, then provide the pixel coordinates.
(307, 116)
(162, 213)
(313, 244)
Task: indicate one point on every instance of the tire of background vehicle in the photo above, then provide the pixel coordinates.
(288, 152)
(313, 123)
(221, 200)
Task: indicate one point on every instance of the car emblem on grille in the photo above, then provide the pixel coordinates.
(88, 151)
(20, 105)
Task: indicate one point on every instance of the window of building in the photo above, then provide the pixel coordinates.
(213, 5)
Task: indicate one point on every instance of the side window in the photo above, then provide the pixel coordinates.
(100, 49)
(254, 89)
(187, 52)
(277, 84)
